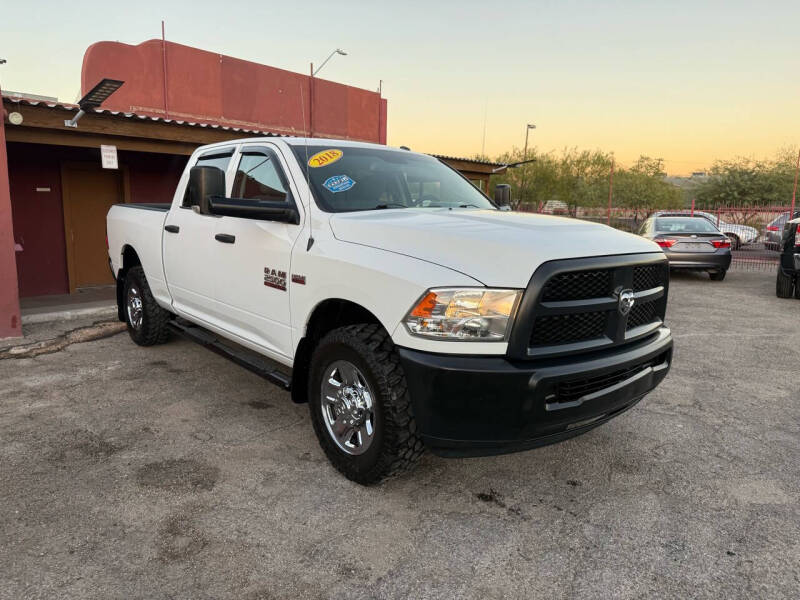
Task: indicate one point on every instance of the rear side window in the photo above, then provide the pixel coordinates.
(218, 157)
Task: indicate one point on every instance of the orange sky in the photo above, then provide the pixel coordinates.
(686, 81)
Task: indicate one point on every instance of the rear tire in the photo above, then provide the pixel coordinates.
(380, 395)
(146, 320)
(736, 243)
(784, 285)
(718, 275)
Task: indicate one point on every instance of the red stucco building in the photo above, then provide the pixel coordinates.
(54, 194)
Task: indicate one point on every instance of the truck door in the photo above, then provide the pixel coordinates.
(253, 256)
(189, 250)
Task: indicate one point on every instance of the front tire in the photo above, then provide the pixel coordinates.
(146, 320)
(360, 406)
(784, 285)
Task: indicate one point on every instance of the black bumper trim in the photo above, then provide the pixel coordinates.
(479, 405)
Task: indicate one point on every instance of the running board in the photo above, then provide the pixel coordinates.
(251, 361)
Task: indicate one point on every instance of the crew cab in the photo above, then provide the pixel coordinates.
(788, 278)
(388, 292)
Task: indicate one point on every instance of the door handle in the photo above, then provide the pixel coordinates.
(172, 228)
(225, 238)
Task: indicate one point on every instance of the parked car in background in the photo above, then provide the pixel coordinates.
(739, 235)
(690, 243)
(788, 280)
(773, 232)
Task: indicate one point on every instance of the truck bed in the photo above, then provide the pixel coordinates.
(159, 206)
(140, 230)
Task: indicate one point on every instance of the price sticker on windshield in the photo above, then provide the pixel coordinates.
(325, 158)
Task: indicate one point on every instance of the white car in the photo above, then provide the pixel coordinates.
(384, 289)
(740, 235)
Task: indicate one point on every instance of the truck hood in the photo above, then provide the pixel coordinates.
(495, 247)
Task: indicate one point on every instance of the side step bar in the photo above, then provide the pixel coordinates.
(245, 358)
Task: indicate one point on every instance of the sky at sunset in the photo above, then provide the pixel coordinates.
(690, 82)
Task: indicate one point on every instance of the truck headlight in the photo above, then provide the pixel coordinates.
(464, 314)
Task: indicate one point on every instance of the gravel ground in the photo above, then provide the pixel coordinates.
(168, 472)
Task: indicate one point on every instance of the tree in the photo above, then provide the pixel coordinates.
(745, 182)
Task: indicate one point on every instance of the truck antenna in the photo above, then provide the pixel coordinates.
(308, 177)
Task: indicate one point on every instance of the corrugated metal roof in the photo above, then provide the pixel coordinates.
(469, 160)
(9, 99)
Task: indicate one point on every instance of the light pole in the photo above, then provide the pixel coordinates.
(311, 88)
(324, 62)
(524, 159)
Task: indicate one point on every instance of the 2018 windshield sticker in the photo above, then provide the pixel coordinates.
(338, 183)
(325, 158)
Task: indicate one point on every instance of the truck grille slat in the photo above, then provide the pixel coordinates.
(574, 389)
(564, 329)
(565, 316)
(579, 285)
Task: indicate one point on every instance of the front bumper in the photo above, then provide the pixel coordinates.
(473, 406)
(699, 260)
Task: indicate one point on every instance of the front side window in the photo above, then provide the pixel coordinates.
(259, 177)
(350, 178)
(219, 157)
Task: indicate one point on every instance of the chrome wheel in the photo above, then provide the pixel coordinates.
(134, 307)
(347, 407)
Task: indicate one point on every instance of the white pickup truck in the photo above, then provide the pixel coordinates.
(384, 289)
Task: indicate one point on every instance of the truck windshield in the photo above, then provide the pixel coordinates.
(348, 178)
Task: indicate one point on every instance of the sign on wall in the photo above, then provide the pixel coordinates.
(108, 156)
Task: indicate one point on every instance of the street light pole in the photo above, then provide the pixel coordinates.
(524, 159)
(330, 56)
(311, 89)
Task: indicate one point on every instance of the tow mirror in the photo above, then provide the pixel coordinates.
(502, 196)
(205, 182)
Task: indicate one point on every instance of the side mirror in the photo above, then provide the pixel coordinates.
(266, 210)
(502, 196)
(205, 182)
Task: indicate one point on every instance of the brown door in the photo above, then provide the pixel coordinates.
(88, 193)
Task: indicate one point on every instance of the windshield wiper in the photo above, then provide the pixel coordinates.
(389, 205)
(468, 206)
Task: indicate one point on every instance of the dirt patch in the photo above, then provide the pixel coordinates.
(491, 497)
(179, 539)
(178, 475)
(259, 405)
(95, 331)
(81, 443)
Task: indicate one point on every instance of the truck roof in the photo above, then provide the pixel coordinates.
(301, 141)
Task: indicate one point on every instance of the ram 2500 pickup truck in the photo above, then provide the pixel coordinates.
(384, 289)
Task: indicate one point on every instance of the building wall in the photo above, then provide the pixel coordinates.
(38, 217)
(208, 87)
(152, 177)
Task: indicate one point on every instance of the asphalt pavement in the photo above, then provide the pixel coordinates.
(168, 472)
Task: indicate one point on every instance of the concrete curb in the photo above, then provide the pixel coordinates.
(67, 314)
